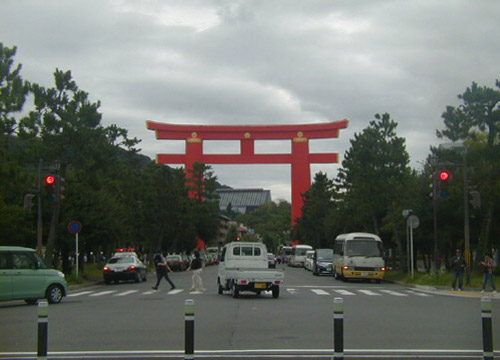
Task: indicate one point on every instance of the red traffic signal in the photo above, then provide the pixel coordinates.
(50, 179)
(444, 175)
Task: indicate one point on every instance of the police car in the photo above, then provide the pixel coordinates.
(124, 265)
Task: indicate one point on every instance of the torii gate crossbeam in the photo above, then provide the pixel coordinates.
(299, 159)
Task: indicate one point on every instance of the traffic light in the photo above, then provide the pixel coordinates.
(443, 177)
(49, 187)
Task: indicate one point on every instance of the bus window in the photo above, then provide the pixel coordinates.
(339, 247)
(368, 248)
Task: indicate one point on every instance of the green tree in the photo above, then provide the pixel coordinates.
(311, 227)
(15, 170)
(477, 122)
(374, 175)
(69, 128)
(271, 221)
(204, 201)
(13, 90)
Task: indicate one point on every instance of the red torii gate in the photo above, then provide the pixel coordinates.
(300, 158)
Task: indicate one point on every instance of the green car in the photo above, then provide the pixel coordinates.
(25, 276)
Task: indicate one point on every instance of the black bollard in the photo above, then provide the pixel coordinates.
(487, 328)
(338, 328)
(189, 329)
(43, 327)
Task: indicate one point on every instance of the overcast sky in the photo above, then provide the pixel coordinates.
(242, 62)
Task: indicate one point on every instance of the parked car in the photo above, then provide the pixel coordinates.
(124, 267)
(271, 260)
(176, 262)
(25, 276)
(308, 264)
(322, 262)
(186, 260)
(214, 253)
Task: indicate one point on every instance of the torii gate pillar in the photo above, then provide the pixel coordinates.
(300, 159)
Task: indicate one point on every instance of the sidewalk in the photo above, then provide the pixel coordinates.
(442, 290)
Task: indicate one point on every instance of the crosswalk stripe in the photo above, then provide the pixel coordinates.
(343, 292)
(368, 292)
(395, 293)
(292, 291)
(418, 293)
(175, 291)
(103, 293)
(80, 293)
(320, 292)
(148, 292)
(126, 293)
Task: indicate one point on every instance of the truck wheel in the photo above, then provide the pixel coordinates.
(276, 291)
(220, 290)
(235, 291)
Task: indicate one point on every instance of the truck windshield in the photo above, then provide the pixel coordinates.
(366, 247)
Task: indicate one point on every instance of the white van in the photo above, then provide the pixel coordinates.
(358, 256)
(298, 257)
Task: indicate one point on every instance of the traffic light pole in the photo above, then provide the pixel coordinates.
(434, 206)
(39, 205)
(466, 223)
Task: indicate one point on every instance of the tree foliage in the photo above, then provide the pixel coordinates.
(120, 197)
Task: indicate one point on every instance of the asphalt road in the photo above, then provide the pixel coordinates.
(131, 318)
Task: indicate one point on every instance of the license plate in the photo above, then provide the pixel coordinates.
(364, 274)
(260, 285)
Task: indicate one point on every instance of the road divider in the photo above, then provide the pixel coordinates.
(43, 330)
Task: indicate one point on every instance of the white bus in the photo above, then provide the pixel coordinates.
(284, 254)
(358, 256)
(298, 257)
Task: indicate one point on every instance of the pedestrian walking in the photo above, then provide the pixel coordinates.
(458, 263)
(488, 267)
(162, 270)
(196, 266)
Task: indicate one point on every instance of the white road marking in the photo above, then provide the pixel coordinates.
(418, 293)
(395, 293)
(103, 293)
(320, 292)
(126, 293)
(369, 292)
(343, 292)
(80, 293)
(175, 291)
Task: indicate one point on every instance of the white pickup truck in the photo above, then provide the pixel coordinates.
(244, 266)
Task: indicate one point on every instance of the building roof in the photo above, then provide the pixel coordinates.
(243, 199)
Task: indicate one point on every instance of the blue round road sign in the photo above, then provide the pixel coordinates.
(74, 227)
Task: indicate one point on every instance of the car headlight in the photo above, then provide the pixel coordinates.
(60, 274)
